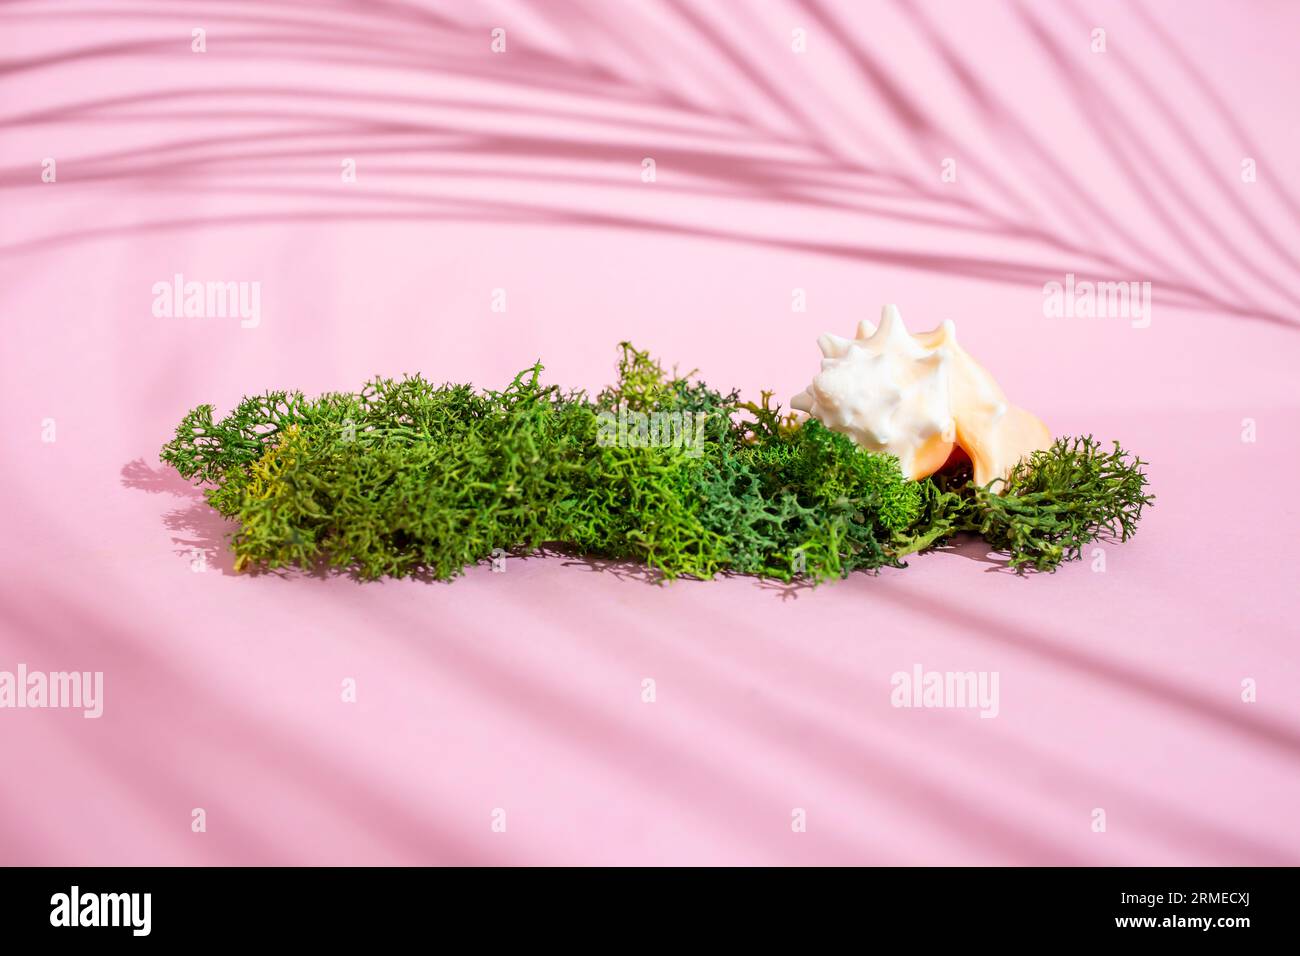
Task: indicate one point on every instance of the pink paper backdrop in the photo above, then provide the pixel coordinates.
(775, 170)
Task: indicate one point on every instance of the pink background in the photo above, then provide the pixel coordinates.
(521, 171)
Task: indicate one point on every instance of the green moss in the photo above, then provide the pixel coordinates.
(405, 477)
(1056, 501)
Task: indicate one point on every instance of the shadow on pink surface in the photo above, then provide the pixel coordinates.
(824, 168)
(783, 725)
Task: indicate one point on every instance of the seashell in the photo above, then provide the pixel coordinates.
(918, 397)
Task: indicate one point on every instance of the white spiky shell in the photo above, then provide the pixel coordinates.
(884, 388)
(918, 397)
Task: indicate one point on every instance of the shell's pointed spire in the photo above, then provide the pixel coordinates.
(832, 346)
(891, 323)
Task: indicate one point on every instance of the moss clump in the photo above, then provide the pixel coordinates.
(407, 477)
